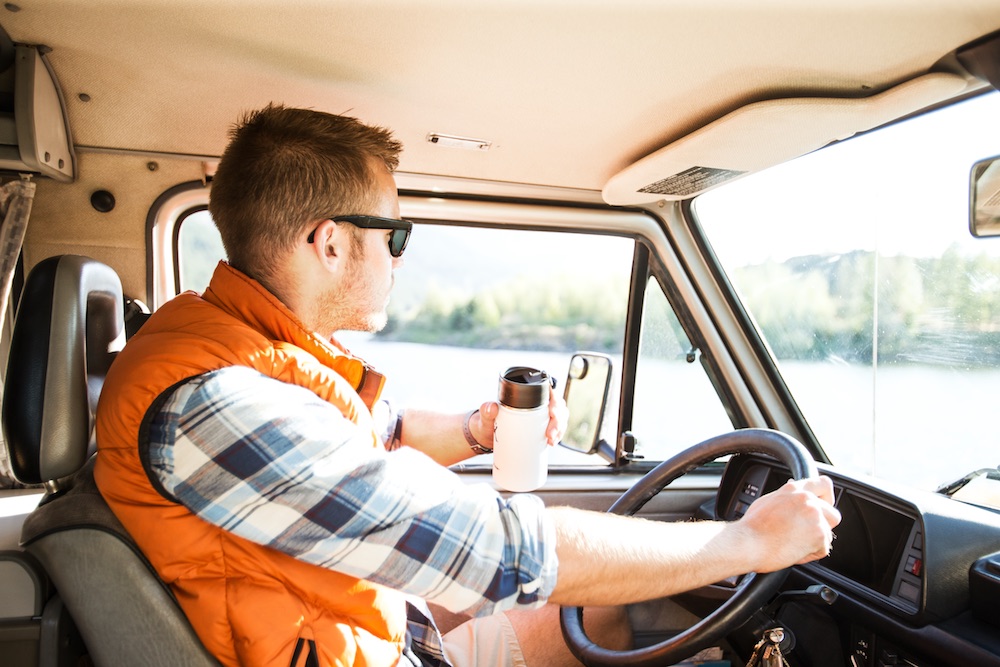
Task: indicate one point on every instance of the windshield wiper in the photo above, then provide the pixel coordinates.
(950, 488)
(980, 487)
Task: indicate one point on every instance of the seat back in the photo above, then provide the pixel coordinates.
(68, 328)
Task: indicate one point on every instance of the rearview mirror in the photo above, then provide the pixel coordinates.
(586, 394)
(984, 198)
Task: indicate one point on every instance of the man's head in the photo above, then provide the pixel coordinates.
(286, 168)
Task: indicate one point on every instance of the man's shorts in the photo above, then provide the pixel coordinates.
(484, 642)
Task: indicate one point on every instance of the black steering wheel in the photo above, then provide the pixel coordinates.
(756, 589)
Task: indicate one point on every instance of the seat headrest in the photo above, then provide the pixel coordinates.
(68, 329)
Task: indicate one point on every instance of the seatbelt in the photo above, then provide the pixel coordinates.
(15, 205)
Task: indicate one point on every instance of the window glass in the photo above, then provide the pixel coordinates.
(881, 309)
(468, 303)
(675, 405)
(199, 249)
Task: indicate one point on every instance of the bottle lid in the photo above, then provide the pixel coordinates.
(524, 387)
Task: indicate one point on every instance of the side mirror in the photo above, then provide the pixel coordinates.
(586, 395)
(984, 198)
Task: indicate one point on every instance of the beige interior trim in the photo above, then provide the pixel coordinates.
(161, 285)
(759, 135)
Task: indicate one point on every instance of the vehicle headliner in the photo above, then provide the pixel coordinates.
(569, 92)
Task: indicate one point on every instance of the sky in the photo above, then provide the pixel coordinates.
(902, 190)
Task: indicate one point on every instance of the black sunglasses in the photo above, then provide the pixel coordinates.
(397, 240)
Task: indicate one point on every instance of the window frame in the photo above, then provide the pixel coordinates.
(666, 242)
(751, 394)
(162, 230)
(751, 338)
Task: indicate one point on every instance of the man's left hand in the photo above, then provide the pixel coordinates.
(558, 416)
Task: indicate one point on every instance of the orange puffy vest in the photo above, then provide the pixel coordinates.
(249, 604)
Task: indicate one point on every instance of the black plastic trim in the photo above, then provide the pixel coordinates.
(929, 642)
(633, 332)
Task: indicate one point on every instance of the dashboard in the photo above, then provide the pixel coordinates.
(915, 577)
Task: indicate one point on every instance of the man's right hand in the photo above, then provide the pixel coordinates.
(792, 525)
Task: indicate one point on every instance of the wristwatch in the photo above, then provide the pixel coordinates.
(473, 444)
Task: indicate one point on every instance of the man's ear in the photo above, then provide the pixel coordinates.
(331, 244)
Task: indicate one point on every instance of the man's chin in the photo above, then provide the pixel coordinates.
(373, 324)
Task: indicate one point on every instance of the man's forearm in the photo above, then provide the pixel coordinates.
(608, 559)
(439, 436)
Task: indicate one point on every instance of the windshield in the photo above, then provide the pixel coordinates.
(880, 308)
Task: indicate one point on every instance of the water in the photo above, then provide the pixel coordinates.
(933, 424)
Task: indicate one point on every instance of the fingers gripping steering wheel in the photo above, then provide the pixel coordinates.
(756, 590)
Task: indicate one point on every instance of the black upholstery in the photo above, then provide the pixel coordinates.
(68, 328)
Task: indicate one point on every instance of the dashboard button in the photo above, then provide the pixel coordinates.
(909, 591)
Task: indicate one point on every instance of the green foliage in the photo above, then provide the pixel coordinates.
(944, 310)
(564, 312)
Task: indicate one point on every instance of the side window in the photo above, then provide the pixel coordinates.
(199, 249)
(675, 405)
(470, 302)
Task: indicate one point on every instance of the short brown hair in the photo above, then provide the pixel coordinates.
(284, 168)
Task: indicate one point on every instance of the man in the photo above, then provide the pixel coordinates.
(238, 447)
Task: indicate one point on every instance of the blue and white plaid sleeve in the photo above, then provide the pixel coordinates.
(275, 464)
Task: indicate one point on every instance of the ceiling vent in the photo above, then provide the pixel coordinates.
(766, 133)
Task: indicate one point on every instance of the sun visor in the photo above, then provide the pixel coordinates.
(766, 133)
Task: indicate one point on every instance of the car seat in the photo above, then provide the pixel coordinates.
(68, 328)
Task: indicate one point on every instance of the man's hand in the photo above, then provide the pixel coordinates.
(558, 417)
(792, 525)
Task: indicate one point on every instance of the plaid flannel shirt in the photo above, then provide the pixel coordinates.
(275, 464)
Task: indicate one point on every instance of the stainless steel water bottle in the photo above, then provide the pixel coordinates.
(520, 452)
